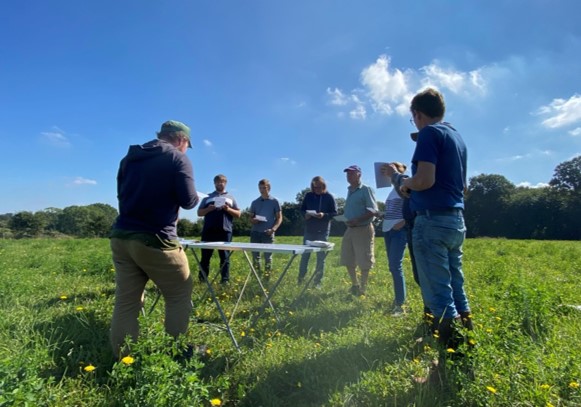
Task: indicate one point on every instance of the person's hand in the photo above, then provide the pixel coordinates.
(269, 232)
(254, 221)
(319, 215)
(405, 191)
(388, 169)
(211, 207)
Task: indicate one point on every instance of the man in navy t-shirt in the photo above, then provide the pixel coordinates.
(437, 189)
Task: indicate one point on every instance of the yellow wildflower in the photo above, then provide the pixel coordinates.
(574, 385)
(491, 389)
(128, 360)
(545, 386)
(498, 318)
(89, 368)
(450, 350)
(79, 308)
(216, 402)
(63, 297)
(471, 341)
(491, 309)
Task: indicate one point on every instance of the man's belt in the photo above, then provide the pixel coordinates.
(440, 212)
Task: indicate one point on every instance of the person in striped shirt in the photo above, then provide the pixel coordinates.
(395, 235)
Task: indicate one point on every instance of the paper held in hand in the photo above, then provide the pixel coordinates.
(381, 181)
(260, 218)
(311, 212)
(219, 201)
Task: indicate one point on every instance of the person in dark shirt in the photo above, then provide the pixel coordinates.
(219, 210)
(318, 208)
(154, 181)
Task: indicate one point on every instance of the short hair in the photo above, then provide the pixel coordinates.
(321, 181)
(220, 177)
(400, 166)
(429, 102)
(264, 182)
(172, 136)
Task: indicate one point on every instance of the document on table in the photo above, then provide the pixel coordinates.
(381, 181)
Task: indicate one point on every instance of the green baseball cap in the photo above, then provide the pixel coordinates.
(174, 125)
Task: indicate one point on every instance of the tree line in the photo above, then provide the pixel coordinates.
(495, 207)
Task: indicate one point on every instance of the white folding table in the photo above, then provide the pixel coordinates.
(288, 249)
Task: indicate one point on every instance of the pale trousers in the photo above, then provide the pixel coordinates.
(135, 263)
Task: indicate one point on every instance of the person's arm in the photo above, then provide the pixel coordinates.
(232, 211)
(277, 222)
(424, 178)
(184, 185)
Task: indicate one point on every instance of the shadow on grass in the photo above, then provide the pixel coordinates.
(313, 381)
(74, 341)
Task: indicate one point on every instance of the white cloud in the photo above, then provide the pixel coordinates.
(455, 81)
(83, 181)
(358, 113)
(389, 90)
(561, 112)
(527, 184)
(288, 160)
(338, 98)
(575, 132)
(384, 87)
(207, 143)
(55, 137)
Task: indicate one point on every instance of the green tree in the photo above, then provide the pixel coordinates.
(26, 224)
(486, 204)
(567, 176)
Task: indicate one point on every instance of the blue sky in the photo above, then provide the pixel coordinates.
(278, 90)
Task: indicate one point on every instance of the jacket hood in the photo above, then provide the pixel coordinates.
(148, 150)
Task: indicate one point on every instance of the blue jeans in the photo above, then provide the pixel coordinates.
(437, 241)
(320, 269)
(395, 242)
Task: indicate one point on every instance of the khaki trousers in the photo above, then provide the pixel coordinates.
(136, 263)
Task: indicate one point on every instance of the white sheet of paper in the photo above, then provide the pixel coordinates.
(381, 181)
(260, 218)
(311, 212)
(219, 201)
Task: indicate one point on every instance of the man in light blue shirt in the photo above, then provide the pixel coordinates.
(357, 247)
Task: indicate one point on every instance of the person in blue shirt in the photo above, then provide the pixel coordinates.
(436, 190)
(318, 208)
(357, 246)
(219, 210)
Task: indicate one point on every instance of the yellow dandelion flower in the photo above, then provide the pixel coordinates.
(215, 402)
(489, 330)
(435, 335)
(491, 389)
(491, 309)
(208, 351)
(317, 344)
(544, 386)
(243, 334)
(269, 344)
(549, 404)
(471, 341)
(450, 350)
(290, 313)
(427, 348)
(63, 297)
(498, 318)
(89, 368)
(84, 269)
(79, 308)
(277, 334)
(113, 270)
(416, 360)
(128, 360)
(574, 385)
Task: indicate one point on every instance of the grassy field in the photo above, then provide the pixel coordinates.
(328, 349)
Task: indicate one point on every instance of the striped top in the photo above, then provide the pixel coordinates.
(393, 211)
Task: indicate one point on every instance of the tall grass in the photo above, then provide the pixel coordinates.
(325, 349)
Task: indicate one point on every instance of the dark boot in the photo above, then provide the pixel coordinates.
(447, 331)
(466, 318)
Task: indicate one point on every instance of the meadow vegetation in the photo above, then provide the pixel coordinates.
(325, 349)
